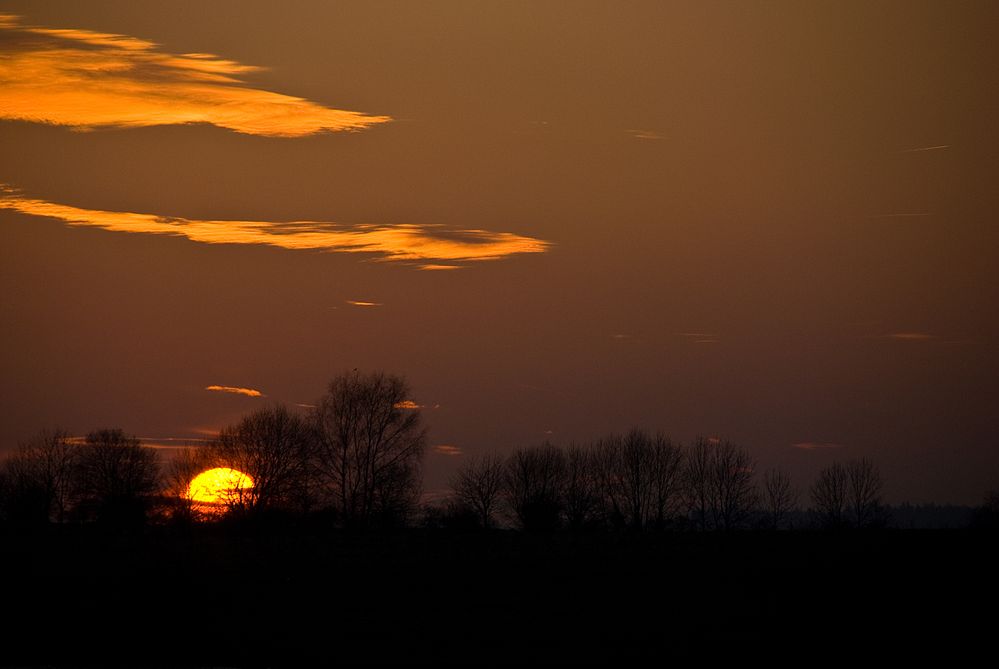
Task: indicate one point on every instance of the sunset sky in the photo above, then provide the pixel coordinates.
(773, 223)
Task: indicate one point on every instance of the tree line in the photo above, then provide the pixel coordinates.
(645, 481)
(356, 455)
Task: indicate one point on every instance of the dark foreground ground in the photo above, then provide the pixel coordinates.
(243, 597)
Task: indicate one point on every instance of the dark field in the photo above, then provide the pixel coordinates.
(261, 597)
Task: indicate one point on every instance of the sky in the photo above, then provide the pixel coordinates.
(773, 223)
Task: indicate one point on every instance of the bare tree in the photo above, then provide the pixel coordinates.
(41, 478)
(581, 492)
(718, 484)
(829, 495)
(117, 475)
(986, 516)
(272, 446)
(369, 447)
(732, 478)
(778, 498)
(534, 486)
(179, 472)
(863, 493)
(606, 462)
(697, 488)
(640, 477)
(666, 480)
(634, 472)
(479, 486)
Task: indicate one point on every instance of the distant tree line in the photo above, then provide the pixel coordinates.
(644, 481)
(355, 458)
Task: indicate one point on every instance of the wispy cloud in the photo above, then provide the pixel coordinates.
(438, 268)
(85, 80)
(448, 450)
(172, 443)
(361, 303)
(910, 336)
(920, 149)
(645, 134)
(236, 390)
(407, 404)
(699, 337)
(815, 445)
(403, 242)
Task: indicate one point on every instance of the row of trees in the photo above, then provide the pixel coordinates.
(107, 476)
(356, 454)
(645, 481)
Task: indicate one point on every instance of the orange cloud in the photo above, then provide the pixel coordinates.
(85, 80)
(359, 303)
(407, 404)
(645, 134)
(404, 242)
(445, 449)
(249, 392)
(438, 268)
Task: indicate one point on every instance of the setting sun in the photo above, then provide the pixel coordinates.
(218, 486)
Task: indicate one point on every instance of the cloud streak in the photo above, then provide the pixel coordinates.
(448, 450)
(920, 149)
(650, 135)
(86, 80)
(910, 336)
(403, 242)
(236, 390)
(815, 445)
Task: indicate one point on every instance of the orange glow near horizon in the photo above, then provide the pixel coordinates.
(402, 242)
(85, 80)
(218, 486)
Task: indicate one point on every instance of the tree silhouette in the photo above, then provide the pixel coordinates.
(848, 495)
(369, 447)
(718, 484)
(581, 490)
(117, 476)
(986, 516)
(534, 487)
(640, 478)
(666, 480)
(478, 486)
(273, 447)
(864, 493)
(40, 477)
(778, 497)
(829, 496)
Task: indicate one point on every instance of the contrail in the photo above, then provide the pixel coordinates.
(926, 148)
